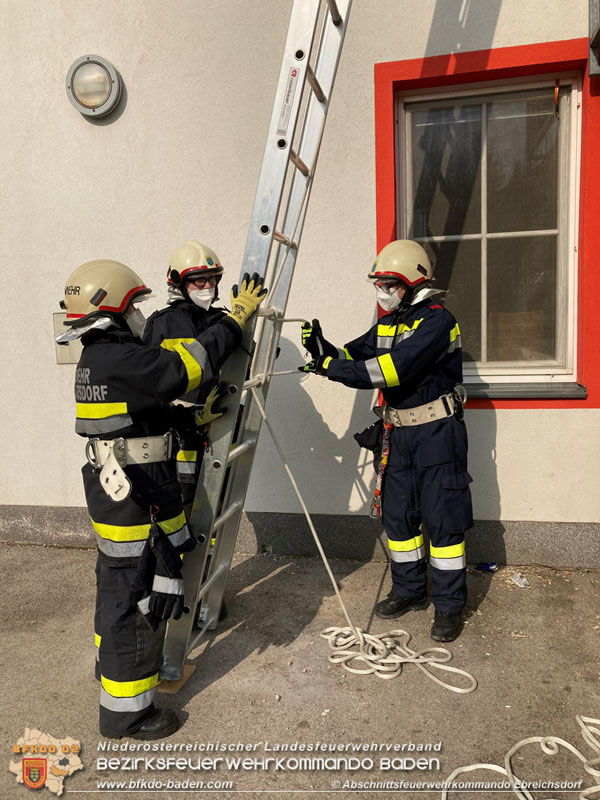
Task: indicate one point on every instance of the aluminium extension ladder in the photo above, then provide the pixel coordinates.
(312, 52)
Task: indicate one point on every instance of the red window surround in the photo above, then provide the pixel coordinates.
(497, 64)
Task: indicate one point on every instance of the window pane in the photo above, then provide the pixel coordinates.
(521, 298)
(522, 154)
(446, 174)
(457, 267)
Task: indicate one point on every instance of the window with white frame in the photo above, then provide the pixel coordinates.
(489, 180)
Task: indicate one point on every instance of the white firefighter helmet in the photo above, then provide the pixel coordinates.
(404, 260)
(192, 260)
(101, 288)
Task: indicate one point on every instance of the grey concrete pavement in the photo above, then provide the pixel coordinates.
(263, 678)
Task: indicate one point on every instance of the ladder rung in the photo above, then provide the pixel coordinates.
(298, 163)
(240, 449)
(336, 17)
(229, 511)
(269, 312)
(207, 584)
(254, 382)
(282, 239)
(314, 84)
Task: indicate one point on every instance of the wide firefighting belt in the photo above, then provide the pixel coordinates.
(441, 408)
(444, 406)
(115, 454)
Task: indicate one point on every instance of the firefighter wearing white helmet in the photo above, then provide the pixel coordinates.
(123, 390)
(413, 356)
(193, 277)
(190, 264)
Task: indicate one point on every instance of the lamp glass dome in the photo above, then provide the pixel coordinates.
(91, 85)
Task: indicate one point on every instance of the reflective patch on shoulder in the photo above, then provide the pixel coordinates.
(171, 344)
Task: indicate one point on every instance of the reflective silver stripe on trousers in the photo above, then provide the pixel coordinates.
(186, 467)
(454, 345)
(458, 562)
(120, 549)
(134, 549)
(375, 374)
(407, 555)
(144, 605)
(167, 585)
(180, 536)
(201, 356)
(96, 426)
(137, 703)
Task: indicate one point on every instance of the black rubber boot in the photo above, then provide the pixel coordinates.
(395, 606)
(162, 722)
(446, 626)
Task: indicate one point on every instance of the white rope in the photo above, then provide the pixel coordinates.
(360, 652)
(550, 746)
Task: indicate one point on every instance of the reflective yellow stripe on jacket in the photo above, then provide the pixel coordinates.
(382, 372)
(192, 367)
(171, 344)
(100, 410)
(94, 419)
(454, 339)
(390, 335)
(187, 455)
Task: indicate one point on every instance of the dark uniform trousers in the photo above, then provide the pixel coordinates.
(420, 487)
(123, 390)
(413, 356)
(128, 654)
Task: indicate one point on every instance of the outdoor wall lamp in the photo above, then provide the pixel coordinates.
(93, 86)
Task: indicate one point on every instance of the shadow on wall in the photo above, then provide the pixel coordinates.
(331, 471)
(485, 541)
(114, 115)
(461, 25)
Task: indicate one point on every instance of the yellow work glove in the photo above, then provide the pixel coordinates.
(246, 299)
(207, 413)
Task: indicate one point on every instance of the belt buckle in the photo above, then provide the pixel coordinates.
(91, 453)
(119, 449)
(394, 417)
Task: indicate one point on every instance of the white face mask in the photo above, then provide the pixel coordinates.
(389, 302)
(203, 297)
(136, 322)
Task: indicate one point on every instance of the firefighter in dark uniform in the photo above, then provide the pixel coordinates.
(193, 279)
(413, 355)
(123, 390)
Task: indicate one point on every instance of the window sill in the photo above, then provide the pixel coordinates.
(526, 391)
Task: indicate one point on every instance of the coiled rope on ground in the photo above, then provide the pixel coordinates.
(364, 653)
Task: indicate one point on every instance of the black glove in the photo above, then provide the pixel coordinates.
(159, 577)
(166, 596)
(314, 341)
(182, 420)
(208, 412)
(318, 365)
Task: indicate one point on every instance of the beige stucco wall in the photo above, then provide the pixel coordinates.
(181, 161)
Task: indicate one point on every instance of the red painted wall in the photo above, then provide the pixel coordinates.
(502, 63)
